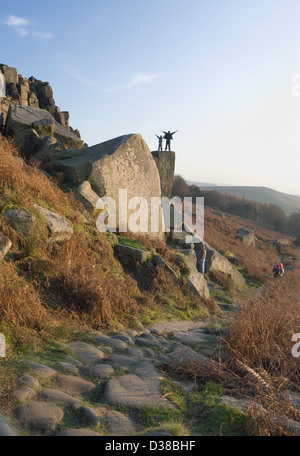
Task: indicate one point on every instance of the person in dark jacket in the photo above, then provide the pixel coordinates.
(160, 139)
(168, 136)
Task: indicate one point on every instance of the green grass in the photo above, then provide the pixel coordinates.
(195, 413)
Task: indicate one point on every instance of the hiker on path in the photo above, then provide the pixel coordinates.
(168, 136)
(202, 257)
(278, 270)
(274, 268)
(160, 139)
(1, 123)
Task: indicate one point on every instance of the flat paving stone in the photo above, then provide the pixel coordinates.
(122, 336)
(73, 385)
(190, 337)
(99, 371)
(29, 380)
(60, 397)
(77, 433)
(142, 342)
(39, 416)
(119, 424)
(111, 342)
(41, 369)
(141, 389)
(135, 352)
(122, 360)
(68, 368)
(239, 404)
(170, 326)
(86, 352)
(184, 354)
(24, 394)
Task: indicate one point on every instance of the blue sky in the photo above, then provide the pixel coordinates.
(222, 72)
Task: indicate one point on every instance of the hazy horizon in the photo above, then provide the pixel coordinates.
(224, 73)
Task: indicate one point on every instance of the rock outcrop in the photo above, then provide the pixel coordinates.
(120, 163)
(33, 93)
(165, 162)
(37, 133)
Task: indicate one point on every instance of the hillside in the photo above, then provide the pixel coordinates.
(288, 203)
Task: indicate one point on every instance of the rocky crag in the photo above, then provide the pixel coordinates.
(33, 93)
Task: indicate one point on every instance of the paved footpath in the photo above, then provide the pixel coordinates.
(98, 385)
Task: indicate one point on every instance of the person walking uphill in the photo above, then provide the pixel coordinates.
(202, 258)
(168, 136)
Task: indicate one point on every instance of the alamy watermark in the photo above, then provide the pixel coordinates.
(296, 346)
(139, 215)
(2, 346)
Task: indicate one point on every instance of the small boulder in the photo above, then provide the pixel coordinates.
(21, 221)
(59, 228)
(5, 245)
(246, 236)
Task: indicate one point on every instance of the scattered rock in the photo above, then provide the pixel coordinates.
(246, 236)
(21, 221)
(59, 228)
(126, 254)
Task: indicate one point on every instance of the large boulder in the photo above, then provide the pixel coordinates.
(215, 262)
(246, 236)
(120, 163)
(21, 118)
(196, 281)
(165, 162)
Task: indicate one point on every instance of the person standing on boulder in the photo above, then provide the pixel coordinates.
(2, 123)
(168, 137)
(202, 258)
(160, 138)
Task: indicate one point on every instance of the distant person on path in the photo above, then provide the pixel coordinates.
(2, 123)
(168, 136)
(160, 139)
(202, 258)
(274, 268)
(278, 269)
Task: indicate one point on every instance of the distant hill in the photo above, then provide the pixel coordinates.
(288, 203)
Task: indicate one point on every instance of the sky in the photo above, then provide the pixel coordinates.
(225, 73)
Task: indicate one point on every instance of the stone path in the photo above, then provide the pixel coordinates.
(103, 382)
(87, 392)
